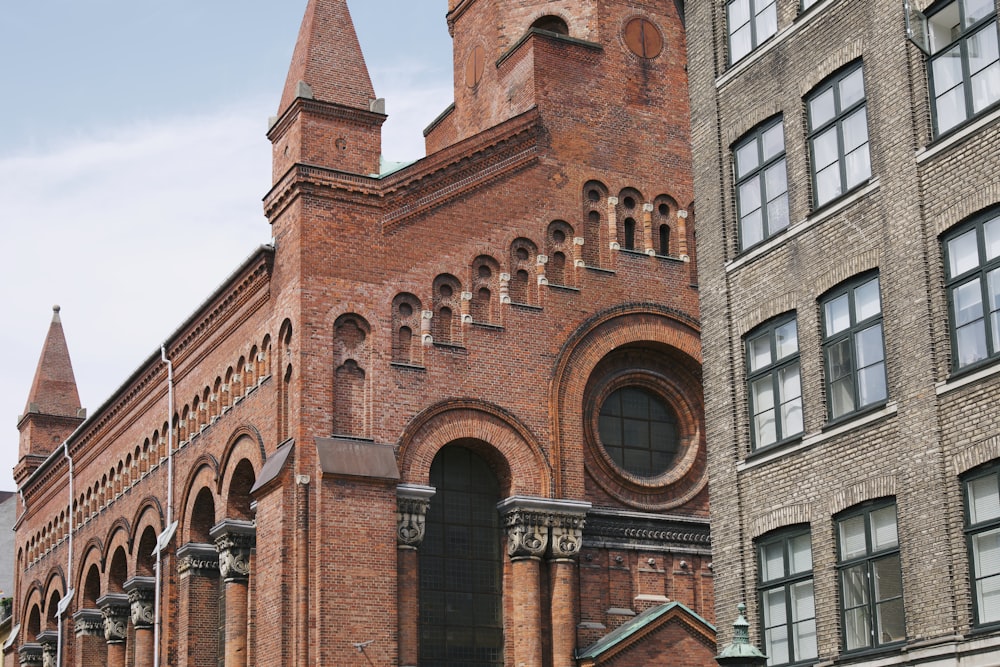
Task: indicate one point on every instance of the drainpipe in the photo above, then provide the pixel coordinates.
(68, 598)
(164, 538)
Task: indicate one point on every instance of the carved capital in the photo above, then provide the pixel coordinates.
(412, 502)
(115, 610)
(88, 623)
(539, 525)
(49, 640)
(141, 596)
(234, 540)
(30, 654)
(198, 559)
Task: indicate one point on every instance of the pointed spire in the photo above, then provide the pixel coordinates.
(53, 391)
(327, 64)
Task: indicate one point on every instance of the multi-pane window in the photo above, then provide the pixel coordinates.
(972, 268)
(761, 184)
(852, 347)
(788, 609)
(806, 4)
(965, 60)
(982, 496)
(639, 431)
(838, 135)
(775, 388)
(751, 23)
(871, 583)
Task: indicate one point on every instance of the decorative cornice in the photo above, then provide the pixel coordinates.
(234, 539)
(647, 531)
(412, 501)
(29, 654)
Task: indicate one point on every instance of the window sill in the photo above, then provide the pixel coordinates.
(792, 231)
(744, 63)
(957, 136)
(853, 415)
(857, 420)
(969, 376)
(402, 365)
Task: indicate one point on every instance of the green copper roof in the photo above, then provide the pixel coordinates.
(633, 626)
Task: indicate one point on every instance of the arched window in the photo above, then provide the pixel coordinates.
(551, 24)
(629, 234)
(461, 620)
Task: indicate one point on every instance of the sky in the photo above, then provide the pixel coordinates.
(133, 161)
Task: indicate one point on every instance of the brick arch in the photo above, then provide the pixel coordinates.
(869, 489)
(55, 581)
(32, 598)
(783, 303)
(204, 475)
(977, 454)
(779, 518)
(92, 557)
(843, 56)
(749, 121)
(118, 537)
(245, 442)
(851, 266)
(643, 324)
(451, 421)
(147, 507)
(960, 210)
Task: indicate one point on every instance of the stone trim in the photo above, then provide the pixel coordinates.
(779, 518)
(198, 558)
(625, 529)
(29, 654)
(412, 501)
(88, 623)
(115, 610)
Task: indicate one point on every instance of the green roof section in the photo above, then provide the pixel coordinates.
(387, 167)
(640, 622)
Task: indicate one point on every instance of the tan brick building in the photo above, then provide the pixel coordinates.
(847, 182)
(452, 416)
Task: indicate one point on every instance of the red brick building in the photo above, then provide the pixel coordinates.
(452, 416)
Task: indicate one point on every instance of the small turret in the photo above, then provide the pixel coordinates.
(53, 410)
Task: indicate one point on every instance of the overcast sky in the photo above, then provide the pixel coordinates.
(133, 162)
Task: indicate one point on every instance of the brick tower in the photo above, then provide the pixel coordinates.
(453, 415)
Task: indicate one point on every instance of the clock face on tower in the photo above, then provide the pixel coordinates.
(475, 63)
(642, 38)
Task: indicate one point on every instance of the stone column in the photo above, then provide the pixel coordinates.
(115, 610)
(141, 597)
(198, 604)
(527, 540)
(49, 641)
(235, 539)
(88, 626)
(412, 502)
(567, 524)
(30, 655)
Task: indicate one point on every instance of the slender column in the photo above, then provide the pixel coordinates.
(49, 640)
(88, 626)
(198, 604)
(235, 539)
(141, 597)
(527, 539)
(412, 502)
(115, 610)
(647, 229)
(30, 655)
(564, 548)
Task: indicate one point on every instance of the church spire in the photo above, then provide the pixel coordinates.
(327, 64)
(53, 391)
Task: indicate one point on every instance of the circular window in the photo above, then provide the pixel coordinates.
(642, 38)
(638, 430)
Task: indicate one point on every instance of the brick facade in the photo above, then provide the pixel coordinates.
(937, 421)
(490, 297)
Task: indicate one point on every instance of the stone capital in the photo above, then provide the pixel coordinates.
(30, 654)
(88, 623)
(539, 525)
(234, 540)
(115, 610)
(141, 597)
(198, 559)
(412, 502)
(49, 639)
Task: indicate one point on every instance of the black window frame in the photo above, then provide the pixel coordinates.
(665, 451)
(855, 327)
(962, 40)
(836, 122)
(755, 41)
(976, 530)
(758, 173)
(981, 272)
(868, 560)
(772, 369)
(784, 536)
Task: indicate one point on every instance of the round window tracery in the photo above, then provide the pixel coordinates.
(639, 431)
